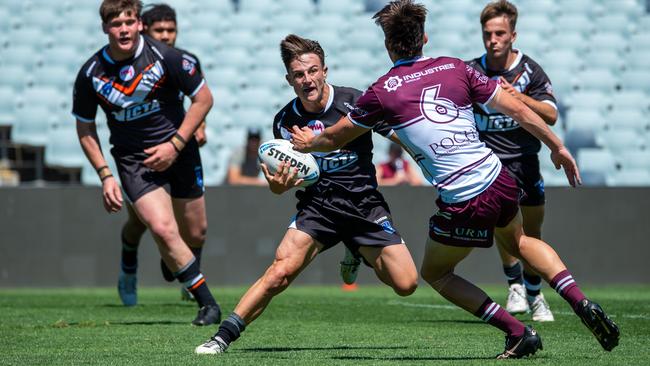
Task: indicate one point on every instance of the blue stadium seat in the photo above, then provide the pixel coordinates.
(629, 178)
(254, 21)
(57, 76)
(350, 77)
(453, 23)
(608, 41)
(638, 79)
(586, 119)
(579, 138)
(7, 105)
(239, 38)
(15, 76)
(597, 79)
(640, 41)
(564, 57)
(538, 7)
(635, 119)
(225, 100)
(538, 23)
(590, 99)
(635, 159)
(63, 148)
(264, 99)
(32, 125)
(616, 22)
(23, 55)
(254, 116)
(344, 7)
(215, 165)
(596, 160)
(532, 43)
(588, 7)
(306, 7)
(618, 140)
(266, 77)
(45, 96)
(607, 58)
(263, 6)
(574, 22)
(630, 99)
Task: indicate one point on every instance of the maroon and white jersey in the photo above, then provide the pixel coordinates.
(500, 132)
(428, 103)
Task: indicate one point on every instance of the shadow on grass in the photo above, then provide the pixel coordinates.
(153, 322)
(406, 358)
(160, 305)
(339, 348)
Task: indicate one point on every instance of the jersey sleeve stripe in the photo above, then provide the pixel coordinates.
(496, 90)
(357, 123)
(196, 91)
(551, 103)
(81, 119)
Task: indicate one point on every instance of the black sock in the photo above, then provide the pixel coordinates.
(197, 254)
(533, 284)
(193, 280)
(231, 328)
(513, 274)
(129, 261)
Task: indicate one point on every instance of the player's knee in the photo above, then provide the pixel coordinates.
(277, 279)
(165, 230)
(406, 288)
(197, 237)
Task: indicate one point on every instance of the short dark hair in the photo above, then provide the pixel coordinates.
(293, 46)
(500, 8)
(113, 8)
(158, 13)
(403, 24)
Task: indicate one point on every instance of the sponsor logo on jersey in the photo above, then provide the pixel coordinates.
(189, 66)
(419, 74)
(392, 83)
(316, 126)
(453, 142)
(137, 111)
(334, 162)
(495, 122)
(127, 73)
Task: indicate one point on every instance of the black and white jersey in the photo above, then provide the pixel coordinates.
(349, 168)
(141, 96)
(499, 132)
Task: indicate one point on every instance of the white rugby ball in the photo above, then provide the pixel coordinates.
(273, 152)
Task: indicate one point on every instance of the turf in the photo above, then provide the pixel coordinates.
(303, 326)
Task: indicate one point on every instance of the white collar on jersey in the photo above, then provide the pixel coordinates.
(520, 55)
(330, 100)
(137, 52)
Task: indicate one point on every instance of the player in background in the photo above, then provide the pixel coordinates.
(159, 22)
(139, 83)
(517, 148)
(343, 205)
(428, 103)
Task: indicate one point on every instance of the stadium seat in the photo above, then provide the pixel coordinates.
(239, 38)
(254, 6)
(254, 116)
(343, 7)
(32, 125)
(606, 58)
(254, 21)
(538, 23)
(306, 7)
(57, 76)
(563, 56)
(262, 98)
(23, 55)
(635, 119)
(199, 39)
(532, 44)
(16, 77)
(634, 159)
(235, 57)
(617, 139)
(266, 77)
(638, 57)
(638, 79)
(630, 99)
(616, 22)
(215, 165)
(597, 79)
(454, 23)
(590, 99)
(538, 7)
(574, 22)
(608, 41)
(63, 148)
(579, 138)
(45, 96)
(225, 100)
(640, 41)
(596, 160)
(351, 77)
(7, 105)
(629, 178)
(588, 7)
(585, 119)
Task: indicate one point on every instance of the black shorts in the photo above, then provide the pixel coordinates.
(361, 219)
(183, 179)
(525, 170)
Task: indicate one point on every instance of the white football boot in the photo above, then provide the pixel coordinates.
(517, 303)
(540, 309)
(213, 346)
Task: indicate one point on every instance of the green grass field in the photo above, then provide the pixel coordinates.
(303, 326)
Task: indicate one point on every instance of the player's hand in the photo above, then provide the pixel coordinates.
(563, 159)
(200, 135)
(283, 180)
(506, 86)
(112, 195)
(301, 138)
(161, 156)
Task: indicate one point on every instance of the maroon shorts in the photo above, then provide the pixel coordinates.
(471, 223)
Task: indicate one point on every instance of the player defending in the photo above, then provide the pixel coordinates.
(138, 82)
(344, 205)
(517, 148)
(159, 22)
(427, 101)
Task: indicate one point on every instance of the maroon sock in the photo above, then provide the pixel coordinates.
(491, 313)
(567, 287)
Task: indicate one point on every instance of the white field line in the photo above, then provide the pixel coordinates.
(452, 307)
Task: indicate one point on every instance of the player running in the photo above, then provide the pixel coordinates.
(139, 83)
(159, 22)
(517, 148)
(428, 103)
(342, 206)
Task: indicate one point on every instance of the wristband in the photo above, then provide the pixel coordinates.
(101, 168)
(105, 177)
(104, 172)
(178, 142)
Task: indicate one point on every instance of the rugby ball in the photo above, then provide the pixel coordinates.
(273, 152)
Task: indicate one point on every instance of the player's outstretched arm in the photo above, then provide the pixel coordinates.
(531, 122)
(283, 179)
(111, 193)
(332, 138)
(544, 110)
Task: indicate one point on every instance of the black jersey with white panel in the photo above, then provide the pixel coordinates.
(141, 96)
(349, 168)
(499, 132)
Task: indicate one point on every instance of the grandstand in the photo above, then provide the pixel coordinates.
(595, 52)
